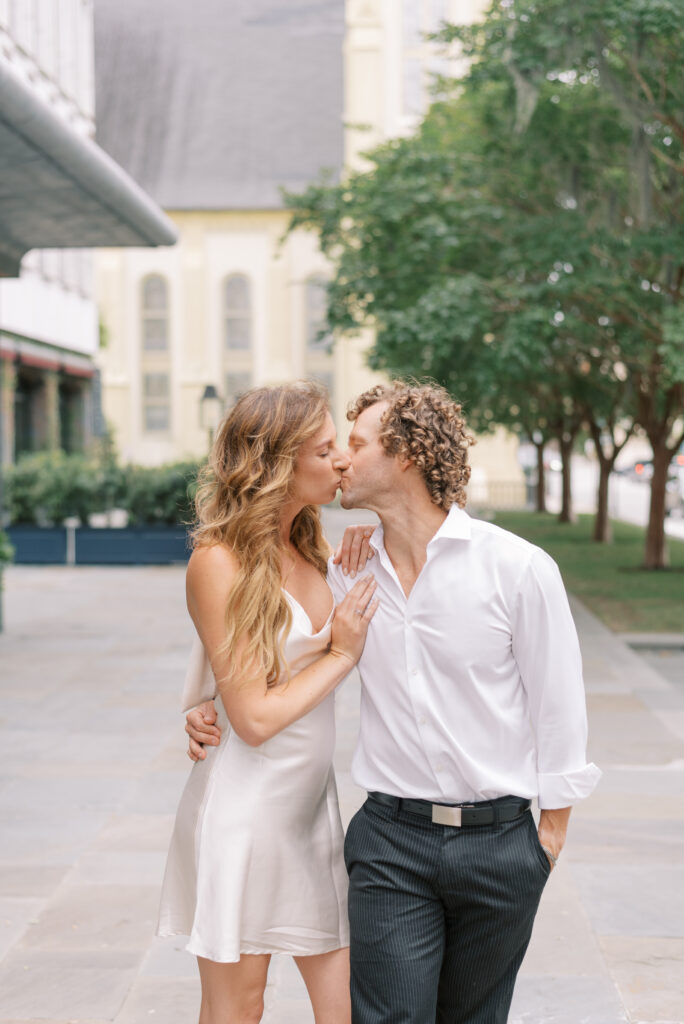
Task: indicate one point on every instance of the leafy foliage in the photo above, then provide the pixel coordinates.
(526, 246)
(47, 488)
(6, 553)
(160, 494)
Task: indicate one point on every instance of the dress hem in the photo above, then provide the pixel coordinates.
(254, 950)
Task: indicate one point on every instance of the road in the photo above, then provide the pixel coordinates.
(628, 499)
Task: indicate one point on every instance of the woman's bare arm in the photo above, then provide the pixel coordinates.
(256, 711)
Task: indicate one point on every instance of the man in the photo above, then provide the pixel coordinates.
(472, 704)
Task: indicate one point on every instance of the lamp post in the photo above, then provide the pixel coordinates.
(211, 408)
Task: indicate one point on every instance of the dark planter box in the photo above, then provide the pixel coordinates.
(38, 545)
(132, 545)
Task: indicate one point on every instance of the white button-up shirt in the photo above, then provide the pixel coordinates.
(472, 685)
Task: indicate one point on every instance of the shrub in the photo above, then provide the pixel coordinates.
(46, 488)
(6, 553)
(160, 494)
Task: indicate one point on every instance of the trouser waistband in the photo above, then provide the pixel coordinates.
(487, 812)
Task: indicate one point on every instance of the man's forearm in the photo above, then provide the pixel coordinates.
(553, 826)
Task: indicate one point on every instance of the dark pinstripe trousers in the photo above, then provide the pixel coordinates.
(440, 916)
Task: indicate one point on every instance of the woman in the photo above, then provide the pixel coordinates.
(255, 865)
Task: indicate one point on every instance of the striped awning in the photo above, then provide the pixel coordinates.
(24, 352)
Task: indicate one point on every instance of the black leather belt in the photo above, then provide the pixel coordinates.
(485, 813)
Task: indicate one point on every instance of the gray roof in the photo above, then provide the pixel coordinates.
(214, 104)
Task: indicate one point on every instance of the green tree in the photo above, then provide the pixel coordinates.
(513, 248)
(449, 247)
(630, 53)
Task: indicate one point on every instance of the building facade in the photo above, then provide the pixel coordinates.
(57, 188)
(391, 63)
(48, 316)
(255, 105)
(390, 66)
(266, 93)
(230, 306)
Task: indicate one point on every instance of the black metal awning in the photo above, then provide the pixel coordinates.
(60, 190)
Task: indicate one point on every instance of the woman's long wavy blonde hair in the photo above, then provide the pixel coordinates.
(240, 496)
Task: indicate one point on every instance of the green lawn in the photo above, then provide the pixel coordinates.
(607, 577)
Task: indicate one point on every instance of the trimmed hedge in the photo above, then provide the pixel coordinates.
(44, 489)
(160, 494)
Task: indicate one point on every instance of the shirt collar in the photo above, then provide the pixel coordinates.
(456, 526)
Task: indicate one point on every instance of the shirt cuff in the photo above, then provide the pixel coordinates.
(566, 788)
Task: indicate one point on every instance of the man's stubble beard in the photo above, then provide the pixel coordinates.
(349, 499)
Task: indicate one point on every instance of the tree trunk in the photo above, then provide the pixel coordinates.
(607, 451)
(566, 444)
(603, 532)
(541, 477)
(655, 552)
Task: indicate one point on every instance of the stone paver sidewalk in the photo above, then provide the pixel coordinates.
(91, 665)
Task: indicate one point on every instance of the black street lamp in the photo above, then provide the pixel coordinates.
(211, 410)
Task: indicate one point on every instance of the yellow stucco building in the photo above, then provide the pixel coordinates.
(222, 111)
(231, 306)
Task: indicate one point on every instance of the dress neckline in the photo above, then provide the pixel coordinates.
(305, 613)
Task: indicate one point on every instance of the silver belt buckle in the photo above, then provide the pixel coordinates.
(442, 815)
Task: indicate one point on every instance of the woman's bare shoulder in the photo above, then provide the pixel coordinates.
(211, 565)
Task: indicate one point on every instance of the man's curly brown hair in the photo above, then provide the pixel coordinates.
(423, 423)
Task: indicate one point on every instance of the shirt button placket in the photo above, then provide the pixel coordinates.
(411, 661)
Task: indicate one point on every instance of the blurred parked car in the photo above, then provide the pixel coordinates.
(642, 470)
(674, 489)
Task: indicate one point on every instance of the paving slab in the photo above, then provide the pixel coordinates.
(51, 1020)
(45, 986)
(108, 916)
(16, 914)
(557, 999)
(91, 668)
(160, 999)
(649, 974)
(626, 899)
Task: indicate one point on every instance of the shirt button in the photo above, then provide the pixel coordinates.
(439, 767)
(414, 671)
(422, 720)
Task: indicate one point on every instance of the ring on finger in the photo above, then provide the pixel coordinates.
(358, 611)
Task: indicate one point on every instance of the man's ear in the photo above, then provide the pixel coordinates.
(404, 463)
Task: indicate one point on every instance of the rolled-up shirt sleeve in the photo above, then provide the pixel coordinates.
(546, 649)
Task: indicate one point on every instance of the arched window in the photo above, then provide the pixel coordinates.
(155, 354)
(156, 401)
(318, 338)
(318, 359)
(155, 314)
(237, 313)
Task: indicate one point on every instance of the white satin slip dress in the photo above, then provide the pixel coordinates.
(255, 863)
